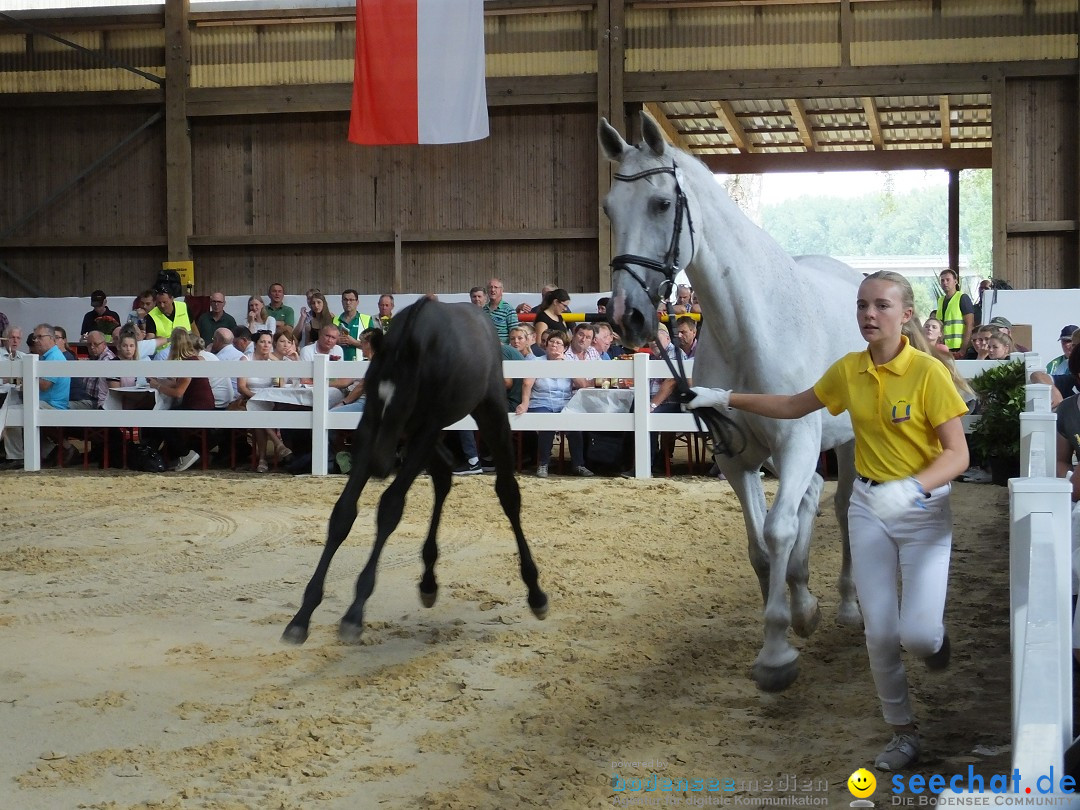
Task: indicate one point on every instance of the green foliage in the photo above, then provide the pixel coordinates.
(1002, 398)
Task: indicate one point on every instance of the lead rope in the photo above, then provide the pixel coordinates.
(722, 428)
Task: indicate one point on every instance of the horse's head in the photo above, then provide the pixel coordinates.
(650, 219)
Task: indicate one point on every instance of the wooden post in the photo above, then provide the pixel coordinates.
(609, 99)
(954, 220)
(178, 192)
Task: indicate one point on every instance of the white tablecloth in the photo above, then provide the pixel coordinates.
(600, 400)
(114, 400)
(298, 396)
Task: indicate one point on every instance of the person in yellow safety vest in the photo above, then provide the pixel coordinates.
(168, 314)
(956, 312)
(351, 323)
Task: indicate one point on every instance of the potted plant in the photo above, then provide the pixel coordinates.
(996, 436)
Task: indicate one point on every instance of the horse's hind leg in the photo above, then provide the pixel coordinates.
(491, 420)
(805, 613)
(440, 480)
(341, 522)
(391, 506)
(848, 614)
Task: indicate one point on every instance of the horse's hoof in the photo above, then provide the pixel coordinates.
(428, 599)
(294, 634)
(849, 616)
(350, 633)
(540, 611)
(805, 626)
(775, 679)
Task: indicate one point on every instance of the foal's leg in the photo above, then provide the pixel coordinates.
(439, 468)
(491, 419)
(341, 522)
(805, 613)
(391, 505)
(848, 613)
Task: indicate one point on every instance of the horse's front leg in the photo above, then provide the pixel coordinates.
(391, 506)
(746, 482)
(776, 666)
(440, 480)
(805, 612)
(341, 522)
(848, 614)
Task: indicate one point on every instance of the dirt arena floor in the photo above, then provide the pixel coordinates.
(142, 666)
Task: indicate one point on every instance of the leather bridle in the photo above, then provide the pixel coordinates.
(722, 428)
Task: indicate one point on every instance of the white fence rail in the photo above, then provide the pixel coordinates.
(321, 420)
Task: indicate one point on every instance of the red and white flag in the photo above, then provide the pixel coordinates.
(419, 75)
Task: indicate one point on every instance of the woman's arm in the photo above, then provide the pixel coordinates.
(778, 406)
(174, 389)
(953, 459)
(243, 388)
(526, 391)
(1065, 465)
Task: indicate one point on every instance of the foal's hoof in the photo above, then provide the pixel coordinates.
(540, 610)
(775, 678)
(350, 633)
(294, 634)
(428, 599)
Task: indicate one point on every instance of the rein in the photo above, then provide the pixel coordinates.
(728, 438)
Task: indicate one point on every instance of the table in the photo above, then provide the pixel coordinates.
(137, 397)
(299, 396)
(601, 400)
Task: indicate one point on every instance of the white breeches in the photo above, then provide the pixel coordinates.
(917, 547)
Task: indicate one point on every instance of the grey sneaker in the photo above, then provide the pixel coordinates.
(541, 471)
(902, 750)
(186, 462)
(584, 472)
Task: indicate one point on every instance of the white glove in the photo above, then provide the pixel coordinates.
(710, 398)
(891, 500)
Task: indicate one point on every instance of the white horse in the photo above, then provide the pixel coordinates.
(770, 323)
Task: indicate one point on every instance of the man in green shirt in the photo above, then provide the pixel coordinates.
(277, 308)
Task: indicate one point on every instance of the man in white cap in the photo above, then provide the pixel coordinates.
(1060, 364)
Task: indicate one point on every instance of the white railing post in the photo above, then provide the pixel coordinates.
(1037, 397)
(1038, 445)
(642, 460)
(1040, 589)
(320, 390)
(32, 415)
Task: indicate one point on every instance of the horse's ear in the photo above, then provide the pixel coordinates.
(611, 141)
(652, 135)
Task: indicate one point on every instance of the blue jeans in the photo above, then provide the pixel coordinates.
(544, 438)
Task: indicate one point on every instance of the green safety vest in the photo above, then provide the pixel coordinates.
(952, 319)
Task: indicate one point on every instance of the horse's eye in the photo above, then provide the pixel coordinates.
(661, 205)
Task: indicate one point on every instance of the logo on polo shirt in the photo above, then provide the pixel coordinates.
(901, 411)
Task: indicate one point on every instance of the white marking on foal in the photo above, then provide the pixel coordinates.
(386, 393)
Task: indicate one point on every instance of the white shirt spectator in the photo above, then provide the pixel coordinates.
(308, 352)
(223, 387)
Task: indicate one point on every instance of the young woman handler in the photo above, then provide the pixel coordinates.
(909, 444)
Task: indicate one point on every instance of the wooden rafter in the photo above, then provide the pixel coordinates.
(798, 113)
(730, 121)
(873, 122)
(669, 128)
(946, 121)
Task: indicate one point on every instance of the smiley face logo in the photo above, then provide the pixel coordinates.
(861, 783)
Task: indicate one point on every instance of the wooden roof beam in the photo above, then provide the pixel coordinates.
(729, 120)
(669, 128)
(873, 122)
(806, 132)
(946, 121)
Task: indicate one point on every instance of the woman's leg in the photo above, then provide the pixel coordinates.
(577, 448)
(544, 438)
(925, 543)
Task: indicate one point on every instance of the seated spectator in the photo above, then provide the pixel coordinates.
(602, 305)
(351, 322)
(96, 388)
(168, 314)
(549, 314)
(523, 307)
(934, 332)
(550, 395)
(100, 318)
(519, 341)
(54, 394)
(285, 349)
(140, 309)
(386, 312)
(686, 336)
(478, 296)
(127, 348)
(581, 348)
(78, 384)
(316, 318)
(603, 340)
(217, 318)
(327, 344)
(277, 309)
(683, 297)
(191, 393)
(499, 310)
(980, 343)
(303, 320)
(1064, 385)
(258, 318)
(999, 346)
(695, 305)
(1005, 325)
(12, 341)
(223, 387)
(355, 397)
(248, 386)
(1060, 364)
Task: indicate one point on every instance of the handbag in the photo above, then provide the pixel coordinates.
(144, 458)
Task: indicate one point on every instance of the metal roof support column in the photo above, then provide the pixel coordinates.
(610, 53)
(178, 191)
(954, 220)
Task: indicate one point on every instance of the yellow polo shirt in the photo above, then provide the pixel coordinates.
(895, 409)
